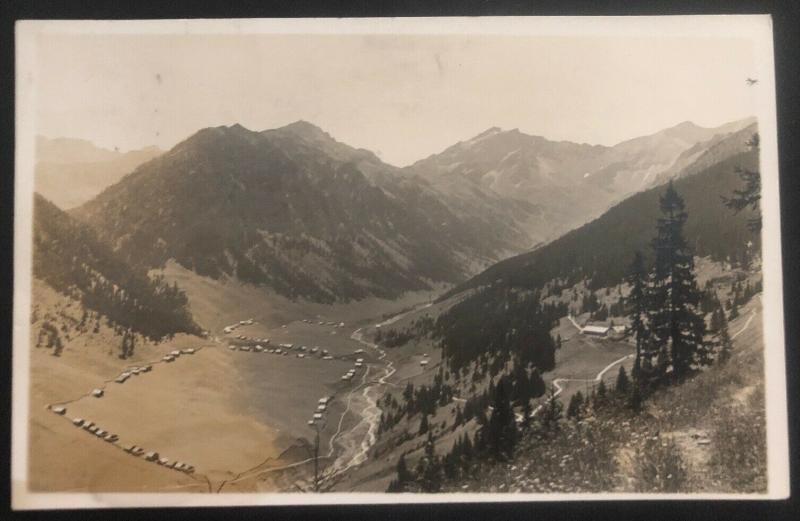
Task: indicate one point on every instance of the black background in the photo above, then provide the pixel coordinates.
(786, 20)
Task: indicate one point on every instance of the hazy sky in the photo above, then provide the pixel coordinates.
(403, 96)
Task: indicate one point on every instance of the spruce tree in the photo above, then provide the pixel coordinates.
(600, 397)
(725, 344)
(638, 306)
(502, 427)
(403, 474)
(552, 411)
(734, 310)
(622, 381)
(636, 399)
(675, 321)
(574, 409)
(717, 316)
(423, 424)
(466, 448)
(750, 195)
(430, 471)
(537, 384)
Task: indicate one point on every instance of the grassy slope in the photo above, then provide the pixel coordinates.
(604, 452)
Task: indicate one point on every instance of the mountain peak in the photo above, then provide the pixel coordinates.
(238, 127)
(305, 129)
(686, 125)
(489, 132)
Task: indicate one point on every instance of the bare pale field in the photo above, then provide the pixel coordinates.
(192, 410)
(218, 303)
(185, 410)
(231, 414)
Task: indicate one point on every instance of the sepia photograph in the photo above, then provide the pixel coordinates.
(313, 261)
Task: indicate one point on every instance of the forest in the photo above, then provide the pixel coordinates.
(69, 257)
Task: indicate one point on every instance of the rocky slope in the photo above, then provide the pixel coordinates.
(567, 183)
(296, 211)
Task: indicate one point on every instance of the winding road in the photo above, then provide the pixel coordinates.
(558, 381)
(357, 440)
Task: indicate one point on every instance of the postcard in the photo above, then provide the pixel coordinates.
(325, 261)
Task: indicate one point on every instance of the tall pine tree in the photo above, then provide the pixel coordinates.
(502, 427)
(724, 342)
(637, 311)
(750, 195)
(676, 324)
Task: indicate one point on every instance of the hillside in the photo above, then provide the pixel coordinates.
(70, 259)
(293, 210)
(708, 153)
(69, 172)
(706, 435)
(509, 308)
(602, 249)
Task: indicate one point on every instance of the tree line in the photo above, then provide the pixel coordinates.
(71, 259)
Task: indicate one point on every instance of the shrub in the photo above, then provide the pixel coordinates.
(659, 467)
(739, 450)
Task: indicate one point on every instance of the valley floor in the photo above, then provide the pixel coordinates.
(240, 418)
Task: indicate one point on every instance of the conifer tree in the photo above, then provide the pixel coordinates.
(552, 411)
(717, 316)
(734, 310)
(600, 395)
(459, 417)
(502, 427)
(575, 407)
(537, 384)
(637, 300)
(750, 195)
(675, 322)
(430, 468)
(724, 339)
(622, 381)
(423, 424)
(403, 474)
(466, 448)
(636, 399)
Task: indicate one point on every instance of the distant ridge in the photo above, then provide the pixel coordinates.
(295, 211)
(69, 171)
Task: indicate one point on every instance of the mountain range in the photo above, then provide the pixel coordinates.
(570, 183)
(291, 209)
(70, 172)
(598, 255)
(296, 211)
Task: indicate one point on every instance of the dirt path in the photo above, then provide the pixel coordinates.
(746, 324)
(571, 319)
(558, 381)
